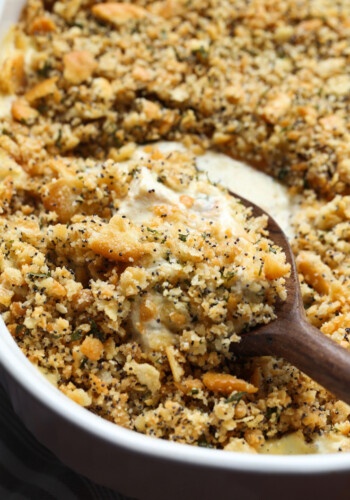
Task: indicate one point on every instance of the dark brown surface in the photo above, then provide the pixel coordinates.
(29, 471)
(292, 337)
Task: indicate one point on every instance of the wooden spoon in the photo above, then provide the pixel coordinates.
(290, 335)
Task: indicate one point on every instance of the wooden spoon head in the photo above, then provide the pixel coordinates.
(251, 342)
(290, 336)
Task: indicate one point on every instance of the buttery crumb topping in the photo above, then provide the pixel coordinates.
(129, 281)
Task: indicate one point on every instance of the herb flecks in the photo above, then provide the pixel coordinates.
(236, 397)
(282, 174)
(228, 276)
(58, 141)
(272, 411)
(76, 335)
(96, 332)
(83, 363)
(44, 70)
(22, 329)
(201, 53)
(203, 443)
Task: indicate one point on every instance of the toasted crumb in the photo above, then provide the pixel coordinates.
(78, 66)
(92, 348)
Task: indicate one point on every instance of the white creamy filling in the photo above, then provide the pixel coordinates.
(256, 186)
(144, 193)
(295, 444)
(245, 181)
(152, 335)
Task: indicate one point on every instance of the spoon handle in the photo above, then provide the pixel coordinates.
(308, 349)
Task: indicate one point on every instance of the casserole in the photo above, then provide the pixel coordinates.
(146, 468)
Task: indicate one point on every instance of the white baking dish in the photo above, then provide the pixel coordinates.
(148, 468)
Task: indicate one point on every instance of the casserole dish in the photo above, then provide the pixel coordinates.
(142, 467)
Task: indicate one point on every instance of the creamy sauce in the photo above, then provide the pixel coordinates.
(295, 444)
(144, 193)
(246, 181)
(53, 378)
(154, 335)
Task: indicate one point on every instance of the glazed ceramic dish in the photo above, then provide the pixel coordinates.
(147, 468)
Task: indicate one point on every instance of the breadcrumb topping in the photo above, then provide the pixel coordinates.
(129, 281)
(265, 81)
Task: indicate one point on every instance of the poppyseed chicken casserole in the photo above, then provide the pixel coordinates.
(126, 274)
